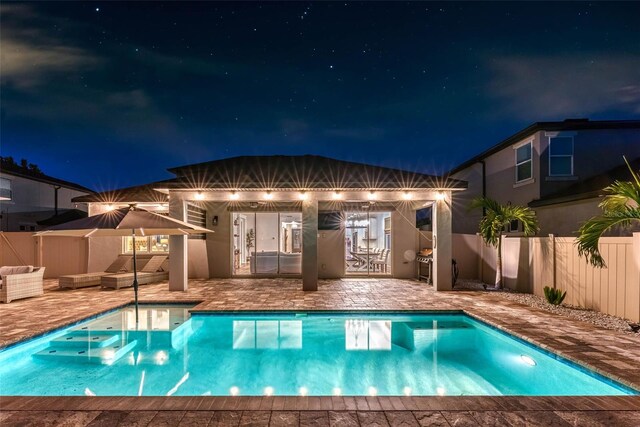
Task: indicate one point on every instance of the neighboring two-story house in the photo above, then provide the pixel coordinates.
(31, 200)
(556, 168)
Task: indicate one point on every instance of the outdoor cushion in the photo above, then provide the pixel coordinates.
(16, 269)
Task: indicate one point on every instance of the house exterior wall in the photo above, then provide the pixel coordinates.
(404, 237)
(564, 219)
(501, 185)
(33, 201)
(219, 243)
(595, 152)
(331, 253)
(466, 221)
(331, 246)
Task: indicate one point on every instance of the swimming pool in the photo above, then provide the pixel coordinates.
(314, 354)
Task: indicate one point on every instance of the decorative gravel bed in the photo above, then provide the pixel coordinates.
(599, 319)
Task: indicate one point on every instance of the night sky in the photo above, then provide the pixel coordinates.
(111, 94)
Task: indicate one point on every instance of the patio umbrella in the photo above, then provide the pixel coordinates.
(131, 221)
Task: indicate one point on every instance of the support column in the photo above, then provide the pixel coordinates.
(310, 245)
(442, 244)
(178, 253)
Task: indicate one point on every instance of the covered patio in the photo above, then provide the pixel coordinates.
(307, 217)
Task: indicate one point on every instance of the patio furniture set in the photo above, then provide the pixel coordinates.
(375, 259)
(22, 281)
(117, 276)
(26, 281)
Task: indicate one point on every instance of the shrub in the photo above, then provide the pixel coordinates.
(554, 296)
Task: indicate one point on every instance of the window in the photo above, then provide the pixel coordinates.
(147, 244)
(524, 169)
(5, 189)
(561, 156)
(197, 216)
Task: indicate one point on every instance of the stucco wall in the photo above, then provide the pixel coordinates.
(564, 219)
(404, 237)
(466, 221)
(331, 253)
(198, 259)
(33, 201)
(595, 152)
(219, 243)
(466, 252)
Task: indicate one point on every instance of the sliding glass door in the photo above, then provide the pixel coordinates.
(367, 243)
(267, 243)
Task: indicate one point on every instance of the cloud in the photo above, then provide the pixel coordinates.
(28, 56)
(560, 86)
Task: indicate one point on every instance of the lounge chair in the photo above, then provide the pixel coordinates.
(20, 282)
(75, 281)
(151, 272)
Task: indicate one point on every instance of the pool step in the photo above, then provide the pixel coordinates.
(83, 340)
(421, 335)
(102, 355)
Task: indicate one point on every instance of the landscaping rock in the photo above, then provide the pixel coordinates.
(595, 317)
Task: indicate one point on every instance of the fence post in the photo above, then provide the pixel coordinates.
(553, 259)
(39, 251)
(636, 250)
(480, 256)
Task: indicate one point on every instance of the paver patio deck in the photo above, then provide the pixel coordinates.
(610, 353)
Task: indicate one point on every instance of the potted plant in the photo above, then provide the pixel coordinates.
(250, 240)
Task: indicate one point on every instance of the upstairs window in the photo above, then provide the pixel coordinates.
(561, 156)
(5, 189)
(524, 164)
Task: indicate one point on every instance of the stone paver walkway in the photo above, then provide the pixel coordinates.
(322, 418)
(613, 354)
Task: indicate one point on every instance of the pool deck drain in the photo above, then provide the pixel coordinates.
(611, 353)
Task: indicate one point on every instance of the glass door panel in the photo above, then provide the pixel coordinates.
(266, 253)
(380, 242)
(290, 254)
(356, 243)
(368, 243)
(243, 242)
(266, 243)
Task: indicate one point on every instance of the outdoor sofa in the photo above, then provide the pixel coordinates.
(151, 272)
(20, 282)
(75, 281)
(270, 262)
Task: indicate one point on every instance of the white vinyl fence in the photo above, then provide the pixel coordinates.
(530, 264)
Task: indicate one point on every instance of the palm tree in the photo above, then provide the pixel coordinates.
(621, 207)
(495, 219)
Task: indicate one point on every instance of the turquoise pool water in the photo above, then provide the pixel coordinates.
(320, 354)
